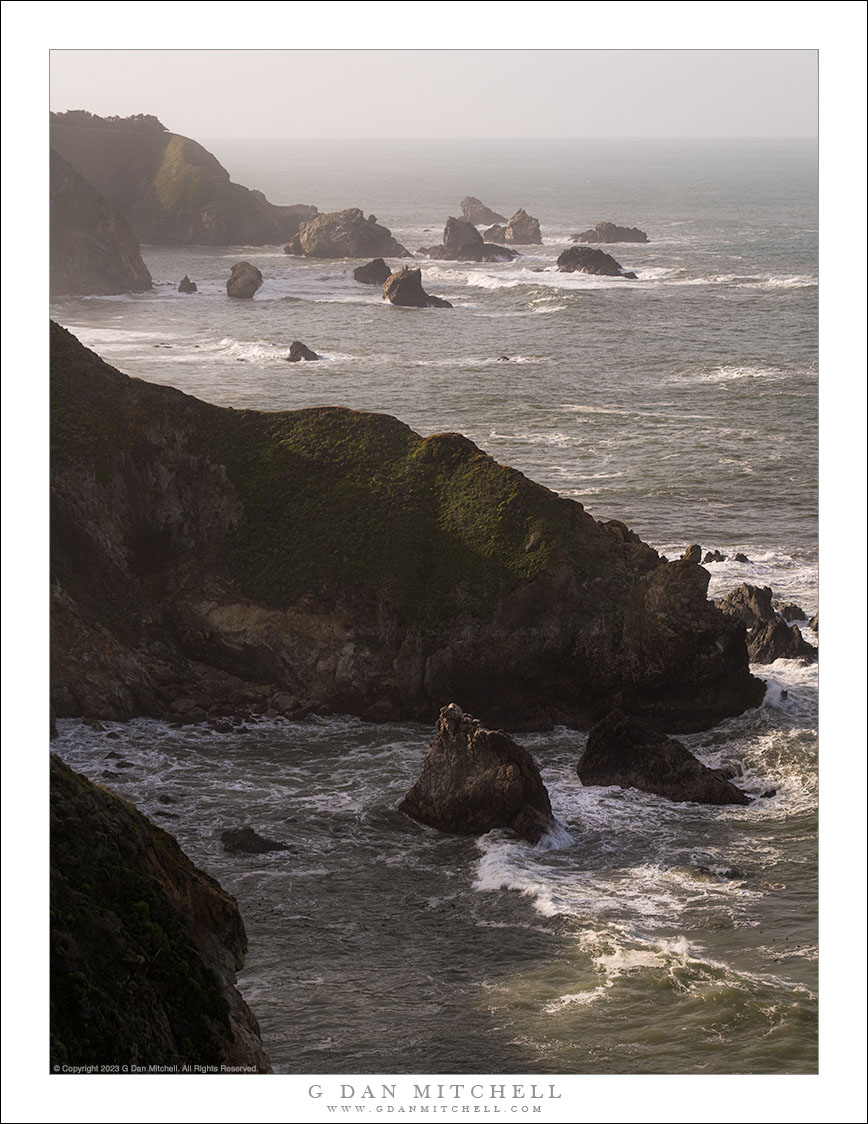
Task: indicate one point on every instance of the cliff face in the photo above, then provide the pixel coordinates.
(93, 249)
(144, 945)
(170, 189)
(326, 559)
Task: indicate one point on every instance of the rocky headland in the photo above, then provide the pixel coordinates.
(208, 560)
(93, 249)
(170, 189)
(144, 946)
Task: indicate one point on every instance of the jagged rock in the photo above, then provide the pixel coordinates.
(749, 604)
(376, 272)
(93, 249)
(713, 556)
(814, 623)
(776, 640)
(246, 841)
(523, 229)
(627, 752)
(584, 259)
(476, 212)
(693, 554)
(474, 780)
(299, 352)
(244, 280)
(224, 556)
(741, 557)
(405, 288)
(789, 611)
(170, 189)
(144, 946)
(186, 285)
(345, 234)
(463, 242)
(610, 232)
(495, 233)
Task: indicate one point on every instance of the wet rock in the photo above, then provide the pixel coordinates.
(629, 753)
(299, 352)
(404, 288)
(790, 611)
(741, 557)
(376, 272)
(692, 554)
(749, 603)
(474, 780)
(713, 556)
(246, 841)
(463, 242)
(610, 232)
(185, 285)
(475, 211)
(776, 640)
(814, 623)
(244, 280)
(585, 259)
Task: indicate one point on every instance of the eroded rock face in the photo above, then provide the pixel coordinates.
(584, 259)
(93, 249)
(610, 232)
(345, 234)
(750, 604)
(404, 288)
(335, 561)
(376, 272)
(475, 211)
(244, 280)
(144, 945)
(463, 242)
(628, 753)
(474, 780)
(770, 637)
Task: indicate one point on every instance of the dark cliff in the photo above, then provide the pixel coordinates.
(204, 557)
(144, 945)
(170, 189)
(93, 249)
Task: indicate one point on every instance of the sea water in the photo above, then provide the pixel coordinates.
(642, 936)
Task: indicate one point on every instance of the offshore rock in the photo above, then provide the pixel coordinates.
(244, 280)
(693, 554)
(246, 841)
(376, 272)
(144, 946)
(345, 234)
(496, 233)
(474, 780)
(475, 211)
(583, 259)
(750, 604)
(463, 242)
(713, 556)
(610, 232)
(523, 228)
(338, 558)
(628, 753)
(777, 640)
(170, 189)
(93, 249)
(404, 288)
(186, 285)
(300, 352)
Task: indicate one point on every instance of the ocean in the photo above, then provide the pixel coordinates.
(643, 937)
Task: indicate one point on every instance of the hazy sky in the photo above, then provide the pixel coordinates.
(445, 93)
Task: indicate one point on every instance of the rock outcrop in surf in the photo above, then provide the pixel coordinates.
(345, 234)
(244, 281)
(475, 211)
(463, 242)
(522, 228)
(376, 272)
(337, 561)
(474, 780)
(770, 636)
(93, 249)
(144, 945)
(404, 288)
(586, 259)
(611, 232)
(170, 189)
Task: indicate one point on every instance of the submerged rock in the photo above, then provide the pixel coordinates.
(246, 841)
(474, 780)
(584, 259)
(475, 211)
(628, 753)
(610, 232)
(144, 945)
(345, 234)
(186, 285)
(404, 288)
(376, 272)
(299, 352)
(244, 280)
(463, 242)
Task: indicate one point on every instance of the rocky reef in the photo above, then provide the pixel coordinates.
(144, 945)
(93, 249)
(345, 234)
(474, 780)
(170, 189)
(611, 232)
(206, 560)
